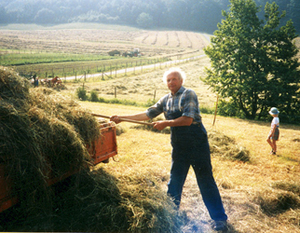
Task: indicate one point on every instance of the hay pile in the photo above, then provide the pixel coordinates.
(224, 146)
(42, 135)
(274, 202)
(98, 202)
(41, 131)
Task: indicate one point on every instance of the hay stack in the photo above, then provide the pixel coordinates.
(224, 146)
(42, 134)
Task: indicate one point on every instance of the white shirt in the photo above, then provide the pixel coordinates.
(275, 121)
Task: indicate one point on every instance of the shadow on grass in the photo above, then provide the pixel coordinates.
(98, 202)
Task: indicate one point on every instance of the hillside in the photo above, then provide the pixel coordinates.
(261, 194)
(80, 38)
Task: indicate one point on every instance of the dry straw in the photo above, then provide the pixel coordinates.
(42, 135)
(224, 146)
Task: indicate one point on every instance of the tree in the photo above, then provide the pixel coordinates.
(253, 63)
(145, 20)
(44, 16)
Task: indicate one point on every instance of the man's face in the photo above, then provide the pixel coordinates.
(173, 82)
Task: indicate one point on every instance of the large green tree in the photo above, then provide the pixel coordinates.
(253, 63)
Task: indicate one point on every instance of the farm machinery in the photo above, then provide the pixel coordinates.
(51, 82)
(134, 53)
(114, 52)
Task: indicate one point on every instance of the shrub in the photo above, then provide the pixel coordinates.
(94, 96)
(81, 93)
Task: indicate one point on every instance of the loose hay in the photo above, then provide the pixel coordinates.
(42, 135)
(291, 187)
(98, 202)
(224, 146)
(274, 202)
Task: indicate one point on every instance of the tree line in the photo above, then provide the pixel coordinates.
(194, 15)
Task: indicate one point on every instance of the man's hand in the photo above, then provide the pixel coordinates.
(115, 119)
(160, 125)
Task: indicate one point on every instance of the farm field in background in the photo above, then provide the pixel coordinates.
(147, 86)
(28, 47)
(100, 40)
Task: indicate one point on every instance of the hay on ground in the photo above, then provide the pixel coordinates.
(274, 202)
(224, 146)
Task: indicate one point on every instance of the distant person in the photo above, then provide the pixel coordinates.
(189, 141)
(36, 81)
(273, 135)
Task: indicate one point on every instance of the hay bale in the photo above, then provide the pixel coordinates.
(42, 135)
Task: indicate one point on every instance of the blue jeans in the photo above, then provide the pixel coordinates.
(191, 148)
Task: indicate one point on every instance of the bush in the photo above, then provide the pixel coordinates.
(94, 96)
(81, 93)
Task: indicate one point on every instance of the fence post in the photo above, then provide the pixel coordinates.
(216, 110)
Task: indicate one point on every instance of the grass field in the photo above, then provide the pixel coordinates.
(25, 47)
(260, 195)
(256, 194)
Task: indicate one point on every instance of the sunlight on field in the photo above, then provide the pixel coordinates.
(145, 87)
(98, 39)
(260, 195)
(242, 185)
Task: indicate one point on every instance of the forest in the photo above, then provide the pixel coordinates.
(187, 15)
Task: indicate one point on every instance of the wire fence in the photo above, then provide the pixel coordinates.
(103, 71)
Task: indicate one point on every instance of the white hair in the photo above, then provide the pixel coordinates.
(181, 74)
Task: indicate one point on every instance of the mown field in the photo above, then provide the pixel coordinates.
(260, 195)
(99, 39)
(66, 49)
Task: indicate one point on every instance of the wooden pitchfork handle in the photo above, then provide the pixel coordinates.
(123, 119)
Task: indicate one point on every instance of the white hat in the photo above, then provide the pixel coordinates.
(274, 111)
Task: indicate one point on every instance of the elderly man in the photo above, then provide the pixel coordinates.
(189, 142)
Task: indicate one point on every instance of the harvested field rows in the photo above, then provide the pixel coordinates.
(100, 41)
(173, 39)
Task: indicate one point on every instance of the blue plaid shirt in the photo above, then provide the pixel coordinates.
(183, 103)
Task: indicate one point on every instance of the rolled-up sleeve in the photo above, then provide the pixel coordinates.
(155, 110)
